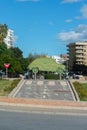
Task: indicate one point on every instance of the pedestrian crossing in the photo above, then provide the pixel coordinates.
(45, 89)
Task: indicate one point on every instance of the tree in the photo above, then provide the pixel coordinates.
(16, 52)
(34, 56)
(3, 32)
(24, 64)
(5, 58)
(13, 56)
(16, 66)
(3, 48)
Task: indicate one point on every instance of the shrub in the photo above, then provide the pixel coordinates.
(81, 90)
(12, 86)
(52, 76)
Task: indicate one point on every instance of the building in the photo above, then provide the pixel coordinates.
(58, 59)
(10, 38)
(77, 55)
(64, 56)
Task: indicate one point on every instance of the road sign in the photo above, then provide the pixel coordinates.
(6, 67)
(59, 71)
(35, 70)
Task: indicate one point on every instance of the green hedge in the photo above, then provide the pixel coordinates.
(81, 90)
(52, 76)
(12, 86)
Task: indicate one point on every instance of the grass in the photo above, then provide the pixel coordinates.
(6, 86)
(81, 89)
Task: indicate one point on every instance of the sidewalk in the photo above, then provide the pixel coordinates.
(44, 103)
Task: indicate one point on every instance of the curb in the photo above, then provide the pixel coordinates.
(73, 91)
(43, 103)
(17, 89)
(42, 106)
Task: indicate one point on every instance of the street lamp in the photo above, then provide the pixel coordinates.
(67, 68)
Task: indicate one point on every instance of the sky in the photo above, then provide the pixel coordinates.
(45, 26)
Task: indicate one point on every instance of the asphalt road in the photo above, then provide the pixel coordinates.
(45, 89)
(32, 121)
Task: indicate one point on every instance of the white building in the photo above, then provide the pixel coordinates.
(10, 38)
(58, 59)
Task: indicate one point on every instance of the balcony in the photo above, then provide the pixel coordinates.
(80, 63)
(80, 51)
(80, 59)
(80, 47)
(80, 56)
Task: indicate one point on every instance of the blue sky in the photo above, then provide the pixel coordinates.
(45, 26)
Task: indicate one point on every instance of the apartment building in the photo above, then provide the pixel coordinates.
(77, 55)
(10, 38)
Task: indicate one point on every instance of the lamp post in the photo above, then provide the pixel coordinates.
(67, 68)
(6, 67)
(59, 71)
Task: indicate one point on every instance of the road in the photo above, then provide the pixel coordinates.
(45, 89)
(34, 121)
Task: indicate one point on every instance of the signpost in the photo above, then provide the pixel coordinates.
(35, 71)
(67, 74)
(59, 71)
(6, 67)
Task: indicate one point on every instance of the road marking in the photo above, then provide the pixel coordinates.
(28, 82)
(52, 83)
(45, 112)
(42, 89)
(63, 83)
(56, 94)
(40, 83)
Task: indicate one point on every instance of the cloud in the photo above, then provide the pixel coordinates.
(79, 34)
(28, 0)
(68, 20)
(84, 11)
(71, 1)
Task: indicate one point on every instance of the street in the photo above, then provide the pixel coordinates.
(34, 121)
(45, 89)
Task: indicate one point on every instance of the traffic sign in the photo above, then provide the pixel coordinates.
(59, 71)
(6, 65)
(35, 70)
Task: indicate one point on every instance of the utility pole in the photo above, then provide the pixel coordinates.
(67, 72)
